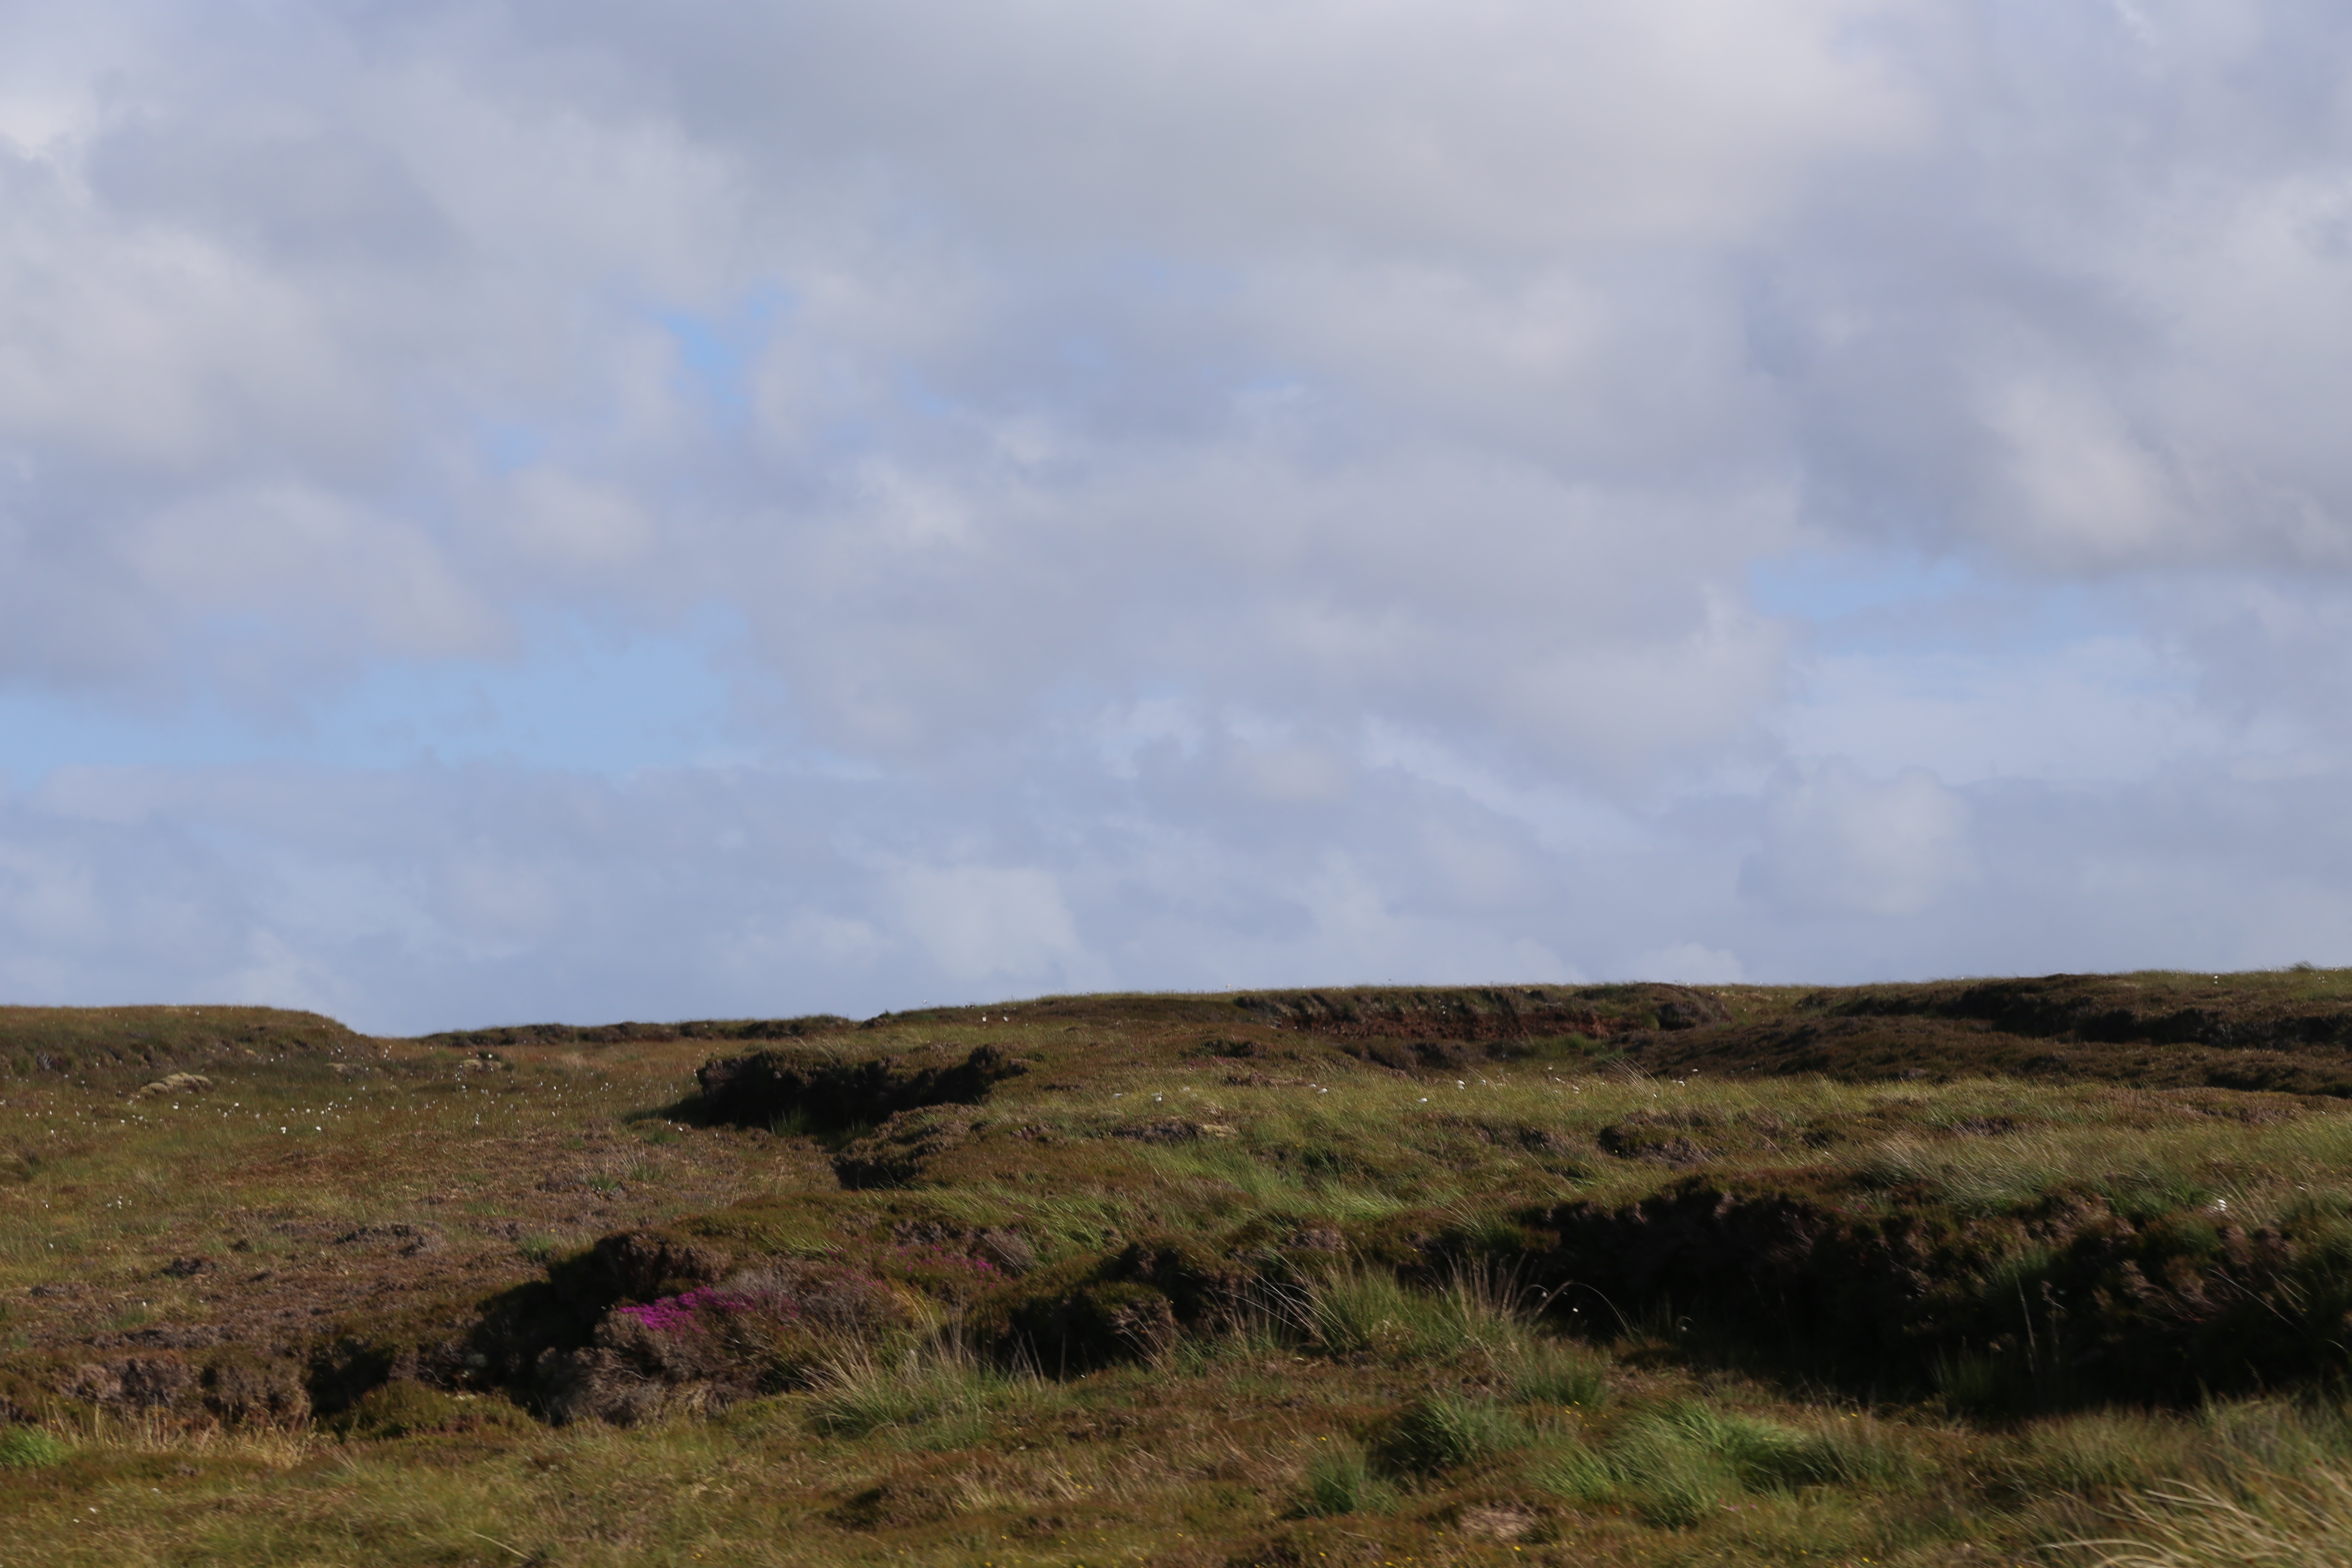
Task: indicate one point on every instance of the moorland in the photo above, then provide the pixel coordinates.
(1966, 1272)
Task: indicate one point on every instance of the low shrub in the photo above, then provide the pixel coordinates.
(243, 1389)
(760, 1331)
(2060, 1299)
(1086, 1313)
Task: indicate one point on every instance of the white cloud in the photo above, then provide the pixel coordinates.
(1004, 924)
(1690, 963)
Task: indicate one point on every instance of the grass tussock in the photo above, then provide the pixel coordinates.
(1342, 1479)
(29, 1448)
(859, 1392)
(1445, 1431)
(2303, 1521)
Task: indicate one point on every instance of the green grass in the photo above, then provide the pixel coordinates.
(1560, 1374)
(860, 1392)
(1342, 1479)
(29, 1448)
(1445, 1431)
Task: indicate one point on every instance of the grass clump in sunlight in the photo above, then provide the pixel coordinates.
(2282, 1522)
(1369, 1313)
(2097, 1451)
(1678, 1464)
(29, 1448)
(1342, 1480)
(862, 1391)
(1445, 1431)
(1560, 1373)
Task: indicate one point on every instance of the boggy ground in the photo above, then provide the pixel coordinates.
(1938, 1274)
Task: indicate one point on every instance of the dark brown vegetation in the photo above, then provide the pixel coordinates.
(1603, 1273)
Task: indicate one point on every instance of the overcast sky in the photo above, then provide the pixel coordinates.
(579, 510)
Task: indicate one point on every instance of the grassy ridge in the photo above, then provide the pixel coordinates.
(1931, 1274)
(78, 1043)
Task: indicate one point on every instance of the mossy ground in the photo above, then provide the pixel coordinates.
(1299, 1278)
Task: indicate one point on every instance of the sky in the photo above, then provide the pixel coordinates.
(518, 510)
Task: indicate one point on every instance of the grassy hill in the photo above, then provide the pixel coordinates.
(1936, 1273)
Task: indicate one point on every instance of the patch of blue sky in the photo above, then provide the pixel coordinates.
(512, 447)
(2101, 708)
(717, 351)
(915, 390)
(1856, 601)
(1825, 586)
(577, 698)
(1910, 661)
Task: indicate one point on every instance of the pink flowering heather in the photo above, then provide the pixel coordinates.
(671, 1312)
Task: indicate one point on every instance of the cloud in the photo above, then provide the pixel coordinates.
(414, 899)
(1691, 965)
(1002, 925)
(1836, 843)
(1191, 493)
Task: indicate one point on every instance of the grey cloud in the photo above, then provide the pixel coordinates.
(438, 898)
(2079, 326)
(1838, 843)
(1101, 422)
(321, 195)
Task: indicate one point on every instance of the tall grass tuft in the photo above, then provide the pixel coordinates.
(1342, 1480)
(2288, 1522)
(1367, 1311)
(29, 1448)
(1446, 1431)
(1480, 1318)
(859, 1392)
(1559, 1373)
(1569, 1469)
(1683, 1462)
(2104, 1450)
